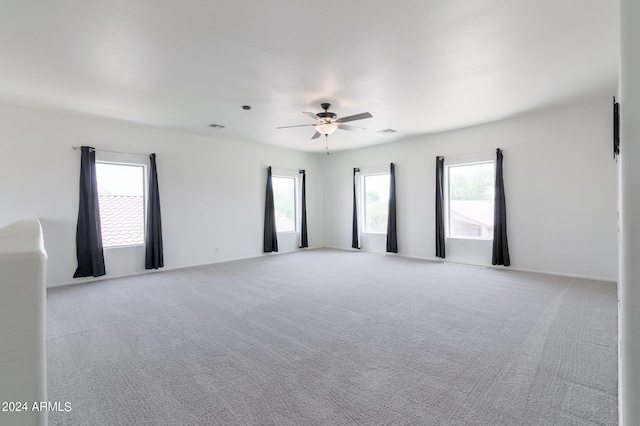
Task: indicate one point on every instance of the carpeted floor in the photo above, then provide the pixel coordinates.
(328, 337)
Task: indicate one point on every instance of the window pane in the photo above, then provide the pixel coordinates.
(376, 208)
(121, 197)
(284, 194)
(471, 200)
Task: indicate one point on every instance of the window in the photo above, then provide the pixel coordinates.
(376, 202)
(121, 197)
(471, 200)
(284, 200)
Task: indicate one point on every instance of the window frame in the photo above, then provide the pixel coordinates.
(372, 171)
(282, 174)
(145, 197)
(467, 161)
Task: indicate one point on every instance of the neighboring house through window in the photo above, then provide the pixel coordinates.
(470, 201)
(121, 194)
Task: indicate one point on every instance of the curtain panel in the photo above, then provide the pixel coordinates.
(355, 234)
(154, 253)
(500, 244)
(270, 233)
(392, 235)
(89, 250)
(440, 239)
(304, 240)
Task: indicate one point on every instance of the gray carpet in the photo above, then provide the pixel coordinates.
(328, 337)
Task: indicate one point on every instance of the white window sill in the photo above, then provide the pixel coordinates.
(124, 246)
(469, 238)
(375, 233)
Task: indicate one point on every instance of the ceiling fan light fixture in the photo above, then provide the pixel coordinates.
(326, 128)
(327, 122)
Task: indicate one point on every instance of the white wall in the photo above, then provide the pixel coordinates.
(211, 190)
(560, 189)
(560, 185)
(629, 285)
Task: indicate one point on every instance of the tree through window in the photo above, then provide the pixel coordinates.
(284, 200)
(376, 203)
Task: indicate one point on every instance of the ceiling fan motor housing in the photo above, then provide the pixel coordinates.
(326, 114)
(330, 115)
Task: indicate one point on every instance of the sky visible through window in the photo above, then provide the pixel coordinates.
(120, 179)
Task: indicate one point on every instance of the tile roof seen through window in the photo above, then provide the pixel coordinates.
(284, 223)
(122, 219)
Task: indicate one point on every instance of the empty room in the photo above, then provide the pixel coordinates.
(343, 213)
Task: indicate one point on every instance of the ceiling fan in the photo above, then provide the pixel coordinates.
(327, 122)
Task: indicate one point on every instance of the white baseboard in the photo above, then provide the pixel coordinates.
(503, 268)
(429, 259)
(174, 268)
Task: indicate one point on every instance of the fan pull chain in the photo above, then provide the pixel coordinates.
(326, 138)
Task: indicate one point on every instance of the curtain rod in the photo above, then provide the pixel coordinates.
(468, 155)
(114, 152)
(288, 170)
(373, 167)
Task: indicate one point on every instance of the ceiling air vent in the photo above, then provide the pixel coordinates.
(385, 131)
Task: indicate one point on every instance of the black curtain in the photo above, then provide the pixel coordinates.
(270, 233)
(154, 257)
(304, 242)
(392, 235)
(355, 243)
(500, 245)
(440, 207)
(88, 231)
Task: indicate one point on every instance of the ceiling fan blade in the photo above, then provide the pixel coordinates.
(355, 117)
(350, 128)
(310, 114)
(316, 135)
(299, 125)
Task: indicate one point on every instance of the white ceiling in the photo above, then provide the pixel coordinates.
(419, 66)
